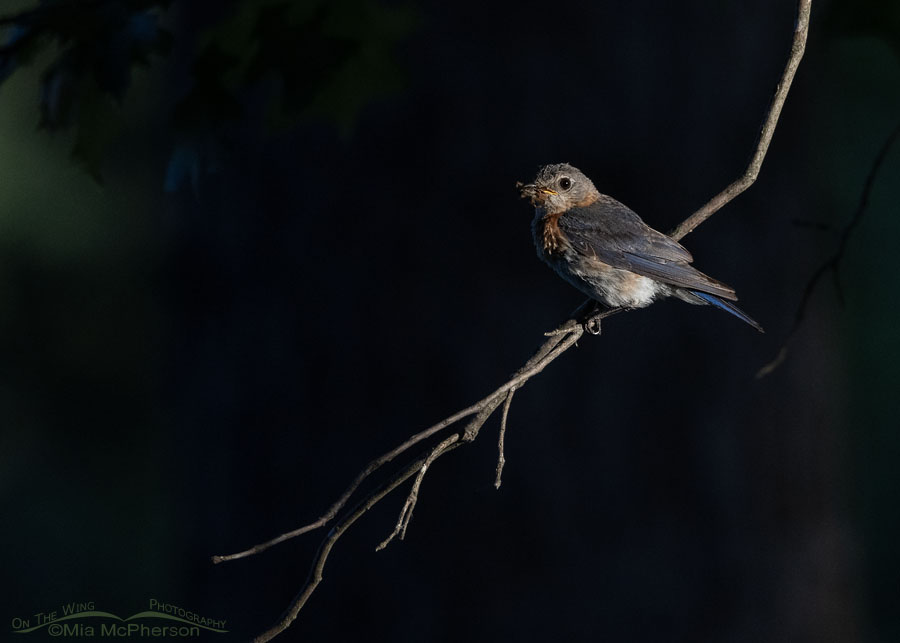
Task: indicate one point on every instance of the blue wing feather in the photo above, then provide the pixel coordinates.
(727, 306)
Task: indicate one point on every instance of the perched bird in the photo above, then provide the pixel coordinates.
(607, 252)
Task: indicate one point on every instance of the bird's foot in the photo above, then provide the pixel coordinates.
(591, 315)
(587, 317)
(592, 324)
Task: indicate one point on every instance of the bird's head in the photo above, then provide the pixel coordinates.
(558, 188)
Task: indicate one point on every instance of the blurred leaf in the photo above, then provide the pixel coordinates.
(131, 44)
(358, 66)
(330, 59)
(100, 43)
(302, 54)
(326, 59)
(371, 72)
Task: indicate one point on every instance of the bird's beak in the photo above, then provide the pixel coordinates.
(530, 189)
(533, 192)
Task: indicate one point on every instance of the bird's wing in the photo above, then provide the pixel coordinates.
(615, 235)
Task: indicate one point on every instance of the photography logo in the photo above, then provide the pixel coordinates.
(84, 620)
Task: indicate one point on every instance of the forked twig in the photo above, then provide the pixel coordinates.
(410, 504)
(369, 469)
(548, 351)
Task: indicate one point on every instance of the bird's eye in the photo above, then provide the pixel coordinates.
(565, 183)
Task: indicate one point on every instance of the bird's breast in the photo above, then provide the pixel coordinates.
(551, 243)
(610, 285)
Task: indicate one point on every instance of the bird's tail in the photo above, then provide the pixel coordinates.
(728, 307)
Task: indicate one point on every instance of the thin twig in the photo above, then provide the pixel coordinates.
(315, 573)
(409, 505)
(369, 469)
(369, 501)
(558, 341)
(501, 458)
(552, 348)
(548, 351)
(833, 263)
(798, 45)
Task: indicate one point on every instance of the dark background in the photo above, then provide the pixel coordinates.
(213, 320)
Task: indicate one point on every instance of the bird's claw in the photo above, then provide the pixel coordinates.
(592, 325)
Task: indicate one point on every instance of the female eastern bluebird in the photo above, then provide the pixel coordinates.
(606, 251)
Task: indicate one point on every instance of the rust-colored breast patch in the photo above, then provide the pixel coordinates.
(552, 239)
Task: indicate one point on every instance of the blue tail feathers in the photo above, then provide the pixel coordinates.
(728, 307)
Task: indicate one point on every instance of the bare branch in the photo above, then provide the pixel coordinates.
(833, 263)
(548, 351)
(798, 45)
(586, 319)
(315, 574)
(501, 458)
(369, 469)
(409, 505)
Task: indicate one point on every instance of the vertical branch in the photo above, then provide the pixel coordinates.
(798, 45)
